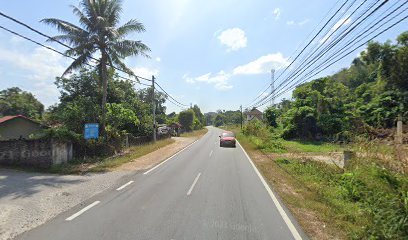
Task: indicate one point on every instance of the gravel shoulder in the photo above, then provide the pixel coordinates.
(28, 199)
(149, 160)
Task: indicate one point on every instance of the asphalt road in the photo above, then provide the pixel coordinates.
(203, 192)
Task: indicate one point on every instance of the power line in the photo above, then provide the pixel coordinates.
(310, 42)
(61, 43)
(307, 45)
(323, 52)
(185, 105)
(56, 51)
(69, 47)
(338, 59)
(312, 59)
(291, 56)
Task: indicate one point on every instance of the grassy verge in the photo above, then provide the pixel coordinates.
(364, 201)
(283, 146)
(195, 134)
(105, 164)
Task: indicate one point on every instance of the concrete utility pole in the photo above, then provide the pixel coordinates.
(398, 138)
(240, 107)
(154, 110)
(272, 86)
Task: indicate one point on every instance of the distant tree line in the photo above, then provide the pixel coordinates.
(371, 93)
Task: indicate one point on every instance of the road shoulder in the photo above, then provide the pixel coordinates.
(151, 159)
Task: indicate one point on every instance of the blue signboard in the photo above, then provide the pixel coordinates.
(91, 130)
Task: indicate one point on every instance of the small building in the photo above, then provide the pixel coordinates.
(253, 114)
(17, 127)
(176, 129)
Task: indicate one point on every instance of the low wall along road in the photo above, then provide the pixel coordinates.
(37, 153)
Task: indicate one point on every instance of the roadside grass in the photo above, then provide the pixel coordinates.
(364, 201)
(310, 146)
(278, 145)
(105, 164)
(195, 133)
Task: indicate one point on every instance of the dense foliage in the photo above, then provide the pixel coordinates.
(14, 101)
(222, 117)
(98, 35)
(372, 92)
(128, 111)
(191, 119)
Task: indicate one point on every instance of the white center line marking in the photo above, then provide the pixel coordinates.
(125, 185)
(194, 183)
(158, 165)
(83, 210)
(211, 152)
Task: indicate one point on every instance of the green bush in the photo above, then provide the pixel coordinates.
(262, 136)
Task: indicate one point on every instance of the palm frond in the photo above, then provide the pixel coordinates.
(73, 40)
(83, 20)
(113, 11)
(122, 66)
(127, 48)
(82, 49)
(64, 26)
(89, 9)
(77, 63)
(131, 26)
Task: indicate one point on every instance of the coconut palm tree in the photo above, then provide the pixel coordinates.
(99, 36)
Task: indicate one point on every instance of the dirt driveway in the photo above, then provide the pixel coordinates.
(28, 199)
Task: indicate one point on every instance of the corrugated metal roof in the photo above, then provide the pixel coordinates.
(8, 118)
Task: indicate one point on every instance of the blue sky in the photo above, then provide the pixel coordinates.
(214, 53)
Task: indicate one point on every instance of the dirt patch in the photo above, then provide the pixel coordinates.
(335, 158)
(149, 160)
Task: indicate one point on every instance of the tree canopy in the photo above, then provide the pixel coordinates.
(14, 101)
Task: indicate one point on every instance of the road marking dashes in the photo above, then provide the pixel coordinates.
(194, 183)
(124, 185)
(82, 210)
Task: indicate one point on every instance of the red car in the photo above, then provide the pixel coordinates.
(227, 139)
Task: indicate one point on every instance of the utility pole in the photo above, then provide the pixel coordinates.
(154, 110)
(272, 87)
(240, 107)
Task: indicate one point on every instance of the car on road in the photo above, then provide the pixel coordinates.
(227, 139)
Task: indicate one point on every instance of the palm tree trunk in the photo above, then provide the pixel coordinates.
(103, 75)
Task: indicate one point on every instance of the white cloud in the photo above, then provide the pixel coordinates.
(39, 67)
(42, 64)
(158, 59)
(145, 72)
(220, 80)
(341, 23)
(276, 13)
(301, 23)
(233, 38)
(262, 65)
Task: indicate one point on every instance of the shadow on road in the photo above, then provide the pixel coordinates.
(18, 184)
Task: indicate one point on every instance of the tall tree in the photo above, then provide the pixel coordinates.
(99, 34)
(15, 101)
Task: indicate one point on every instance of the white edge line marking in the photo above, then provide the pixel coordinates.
(194, 183)
(158, 165)
(211, 152)
(124, 185)
(83, 210)
(282, 212)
